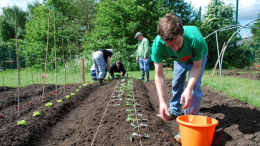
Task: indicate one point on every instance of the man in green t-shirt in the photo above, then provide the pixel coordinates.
(189, 50)
(143, 55)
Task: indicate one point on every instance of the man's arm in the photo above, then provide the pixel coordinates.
(108, 66)
(147, 49)
(160, 86)
(194, 75)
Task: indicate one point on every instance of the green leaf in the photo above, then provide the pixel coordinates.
(59, 101)
(21, 123)
(36, 113)
(49, 104)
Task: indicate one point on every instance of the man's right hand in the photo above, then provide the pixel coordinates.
(137, 59)
(164, 112)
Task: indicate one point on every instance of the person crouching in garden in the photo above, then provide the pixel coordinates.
(100, 59)
(117, 67)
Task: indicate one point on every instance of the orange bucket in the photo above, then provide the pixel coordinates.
(196, 130)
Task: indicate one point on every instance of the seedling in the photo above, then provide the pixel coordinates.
(37, 113)
(72, 94)
(49, 104)
(119, 99)
(117, 104)
(132, 119)
(130, 104)
(119, 95)
(51, 94)
(129, 99)
(135, 135)
(131, 115)
(29, 103)
(16, 107)
(59, 101)
(80, 86)
(67, 96)
(1, 115)
(142, 125)
(77, 90)
(129, 110)
(128, 95)
(55, 91)
(21, 123)
(135, 126)
(42, 98)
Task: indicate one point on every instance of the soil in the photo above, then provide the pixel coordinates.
(241, 73)
(91, 118)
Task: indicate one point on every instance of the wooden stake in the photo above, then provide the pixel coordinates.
(64, 66)
(82, 71)
(46, 51)
(17, 60)
(55, 54)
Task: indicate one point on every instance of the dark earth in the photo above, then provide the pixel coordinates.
(91, 118)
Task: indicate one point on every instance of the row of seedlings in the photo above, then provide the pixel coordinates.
(49, 104)
(134, 114)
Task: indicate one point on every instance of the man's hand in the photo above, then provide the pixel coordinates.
(164, 111)
(137, 59)
(108, 78)
(186, 96)
(145, 58)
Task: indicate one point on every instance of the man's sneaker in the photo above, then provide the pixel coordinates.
(172, 117)
(178, 137)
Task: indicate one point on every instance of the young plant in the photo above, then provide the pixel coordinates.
(130, 119)
(21, 123)
(128, 95)
(129, 110)
(72, 93)
(49, 104)
(135, 126)
(77, 90)
(29, 103)
(135, 135)
(131, 115)
(36, 113)
(80, 86)
(1, 115)
(117, 104)
(59, 101)
(67, 96)
(129, 99)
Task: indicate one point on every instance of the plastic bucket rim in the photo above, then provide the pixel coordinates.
(196, 125)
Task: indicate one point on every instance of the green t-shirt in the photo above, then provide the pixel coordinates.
(194, 47)
(143, 50)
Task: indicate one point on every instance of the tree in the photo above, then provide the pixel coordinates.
(116, 23)
(7, 23)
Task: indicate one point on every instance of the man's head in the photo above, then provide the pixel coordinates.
(110, 50)
(171, 31)
(118, 63)
(139, 36)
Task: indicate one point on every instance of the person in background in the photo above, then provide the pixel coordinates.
(93, 73)
(118, 67)
(143, 55)
(189, 50)
(100, 59)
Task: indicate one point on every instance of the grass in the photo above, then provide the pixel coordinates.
(245, 89)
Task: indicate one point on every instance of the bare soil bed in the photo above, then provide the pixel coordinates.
(240, 73)
(90, 117)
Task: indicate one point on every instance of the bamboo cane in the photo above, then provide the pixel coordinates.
(17, 60)
(64, 65)
(55, 53)
(46, 53)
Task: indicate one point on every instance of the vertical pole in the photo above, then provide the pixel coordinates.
(55, 54)
(4, 57)
(236, 22)
(46, 52)
(82, 71)
(200, 14)
(218, 54)
(17, 60)
(216, 12)
(64, 65)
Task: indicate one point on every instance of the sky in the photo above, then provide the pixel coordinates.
(248, 9)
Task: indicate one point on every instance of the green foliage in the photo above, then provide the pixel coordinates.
(7, 23)
(21, 123)
(36, 113)
(49, 104)
(116, 23)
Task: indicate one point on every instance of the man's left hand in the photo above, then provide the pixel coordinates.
(186, 95)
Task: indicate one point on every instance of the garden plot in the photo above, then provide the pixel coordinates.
(93, 117)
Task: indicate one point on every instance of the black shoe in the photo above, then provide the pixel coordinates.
(100, 82)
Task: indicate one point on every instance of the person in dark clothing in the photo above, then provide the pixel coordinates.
(117, 67)
(100, 59)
